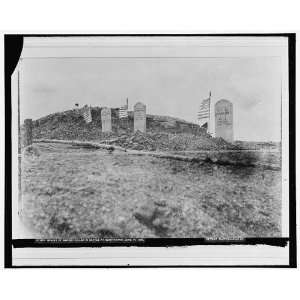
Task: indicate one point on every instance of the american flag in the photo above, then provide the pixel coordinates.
(86, 113)
(204, 109)
(123, 111)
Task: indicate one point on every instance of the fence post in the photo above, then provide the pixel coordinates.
(28, 132)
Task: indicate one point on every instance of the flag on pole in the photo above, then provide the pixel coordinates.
(204, 110)
(123, 111)
(86, 113)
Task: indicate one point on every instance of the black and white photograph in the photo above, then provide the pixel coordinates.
(172, 147)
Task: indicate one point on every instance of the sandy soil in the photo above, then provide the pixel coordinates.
(81, 193)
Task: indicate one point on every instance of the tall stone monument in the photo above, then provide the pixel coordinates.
(106, 119)
(224, 120)
(140, 117)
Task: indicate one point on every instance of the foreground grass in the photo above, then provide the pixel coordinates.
(81, 193)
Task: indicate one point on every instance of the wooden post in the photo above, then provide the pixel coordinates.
(28, 132)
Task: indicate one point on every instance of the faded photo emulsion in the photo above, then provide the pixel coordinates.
(140, 138)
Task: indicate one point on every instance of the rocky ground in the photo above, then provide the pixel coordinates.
(163, 133)
(82, 193)
(161, 141)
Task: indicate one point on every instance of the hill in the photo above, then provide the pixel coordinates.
(163, 132)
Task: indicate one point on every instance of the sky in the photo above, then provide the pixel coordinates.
(168, 86)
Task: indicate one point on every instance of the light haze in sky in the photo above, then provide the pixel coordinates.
(168, 86)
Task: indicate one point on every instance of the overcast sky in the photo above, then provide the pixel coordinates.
(168, 86)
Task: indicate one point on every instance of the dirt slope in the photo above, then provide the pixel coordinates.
(163, 132)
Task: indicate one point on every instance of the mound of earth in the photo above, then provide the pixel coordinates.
(163, 133)
(170, 142)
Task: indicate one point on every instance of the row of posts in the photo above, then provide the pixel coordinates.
(139, 118)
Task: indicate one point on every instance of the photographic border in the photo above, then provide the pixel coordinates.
(12, 50)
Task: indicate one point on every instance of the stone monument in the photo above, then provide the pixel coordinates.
(140, 117)
(224, 120)
(106, 119)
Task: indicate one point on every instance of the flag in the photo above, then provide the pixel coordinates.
(204, 109)
(123, 111)
(86, 113)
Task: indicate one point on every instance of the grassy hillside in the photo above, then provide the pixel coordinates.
(81, 193)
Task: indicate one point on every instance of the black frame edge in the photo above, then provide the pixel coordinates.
(292, 150)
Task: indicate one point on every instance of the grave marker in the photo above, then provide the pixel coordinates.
(224, 120)
(140, 117)
(106, 119)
